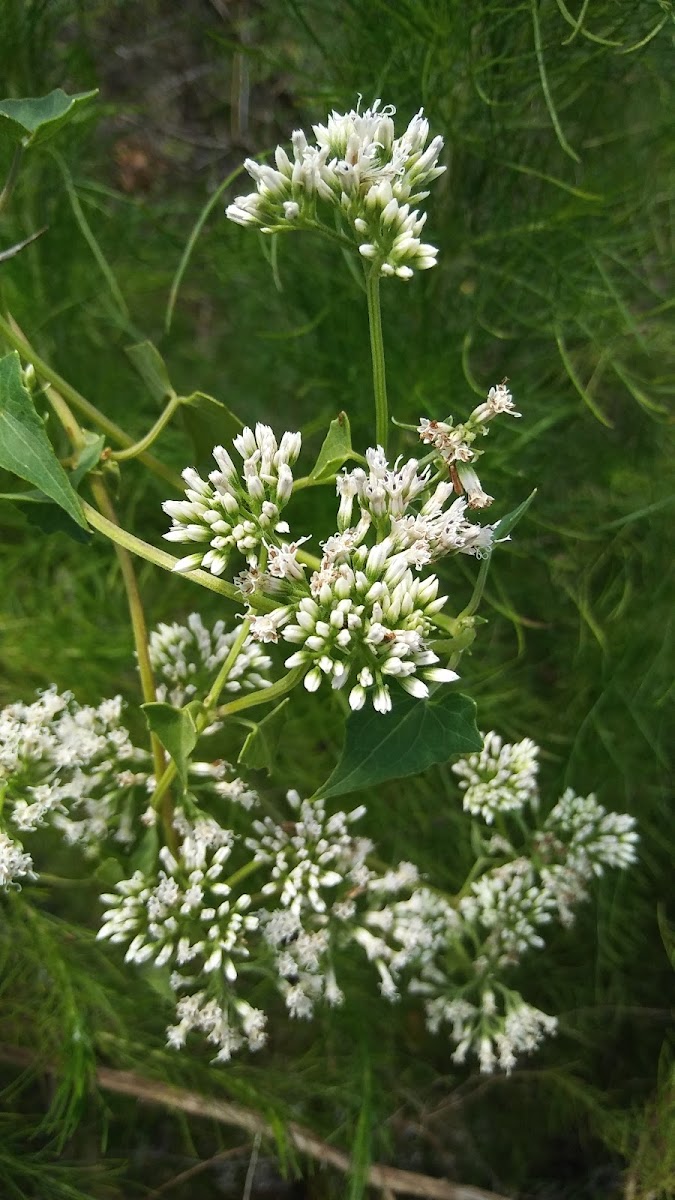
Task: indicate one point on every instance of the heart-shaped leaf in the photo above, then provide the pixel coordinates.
(336, 449)
(35, 119)
(415, 735)
(25, 449)
(260, 747)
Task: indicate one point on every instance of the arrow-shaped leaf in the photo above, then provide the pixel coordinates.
(336, 449)
(25, 449)
(261, 744)
(413, 736)
(34, 119)
(503, 528)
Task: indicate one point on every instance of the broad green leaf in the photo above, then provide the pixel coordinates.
(35, 119)
(151, 367)
(336, 449)
(49, 518)
(208, 423)
(176, 730)
(25, 449)
(413, 736)
(503, 528)
(260, 747)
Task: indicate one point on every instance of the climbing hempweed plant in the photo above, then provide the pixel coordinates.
(235, 899)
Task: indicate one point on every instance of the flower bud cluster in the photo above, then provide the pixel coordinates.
(186, 657)
(369, 177)
(232, 512)
(455, 445)
(367, 627)
(366, 618)
(501, 778)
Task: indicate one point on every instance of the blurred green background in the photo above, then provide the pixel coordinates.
(555, 226)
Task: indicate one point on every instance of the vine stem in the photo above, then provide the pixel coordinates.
(377, 355)
(140, 632)
(145, 443)
(12, 334)
(161, 558)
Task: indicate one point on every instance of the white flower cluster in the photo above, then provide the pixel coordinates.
(369, 178)
(366, 617)
(497, 1038)
(71, 765)
(454, 445)
(230, 511)
(501, 778)
(318, 891)
(186, 657)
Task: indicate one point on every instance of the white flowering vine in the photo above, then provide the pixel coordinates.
(246, 908)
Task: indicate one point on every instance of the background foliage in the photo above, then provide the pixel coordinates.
(555, 222)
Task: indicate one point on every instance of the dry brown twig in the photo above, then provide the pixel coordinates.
(388, 1180)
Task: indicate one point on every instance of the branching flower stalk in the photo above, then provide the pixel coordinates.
(366, 619)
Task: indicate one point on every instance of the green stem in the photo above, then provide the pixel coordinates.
(167, 562)
(224, 674)
(100, 493)
(243, 873)
(67, 419)
(83, 406)
(377, 355)
(253, 698)
(264, 695)
(12, 176)
(144, 443)
(479, 586)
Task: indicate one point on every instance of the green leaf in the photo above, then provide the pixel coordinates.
(35, 119)
(336, 449)
(260, 747)
(150, 365)
(25, 449)
(144, 856)
(49, 518)
(503, 528)
(88, 457)
(208, 423)
(176, 730)
(413, 736)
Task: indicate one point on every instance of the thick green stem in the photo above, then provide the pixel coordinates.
(275, 692)
(377, 355)
(140, 632)
(83, 406)
(160, 558)
(12, 176)
(145, 443)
